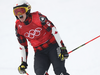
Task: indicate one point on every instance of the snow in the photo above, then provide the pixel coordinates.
(77, 21)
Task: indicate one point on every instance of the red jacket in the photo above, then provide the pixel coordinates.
(35, 32)
(38, 32)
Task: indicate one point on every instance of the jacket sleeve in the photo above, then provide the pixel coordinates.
(23, 46)
(49, 26)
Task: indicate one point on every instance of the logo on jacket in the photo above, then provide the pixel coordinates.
(20, 26)
(33, 32)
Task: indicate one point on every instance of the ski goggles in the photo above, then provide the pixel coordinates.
(21, 10)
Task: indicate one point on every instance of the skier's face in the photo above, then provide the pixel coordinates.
(22, 17)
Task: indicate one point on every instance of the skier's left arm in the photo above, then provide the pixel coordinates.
(49, 26)
(62, 51)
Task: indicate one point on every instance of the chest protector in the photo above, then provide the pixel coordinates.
(34, 32)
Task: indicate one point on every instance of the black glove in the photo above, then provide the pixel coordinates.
(62, 53)
(22, 68)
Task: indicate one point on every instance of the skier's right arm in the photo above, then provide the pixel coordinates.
(23, 46)
(24, 52)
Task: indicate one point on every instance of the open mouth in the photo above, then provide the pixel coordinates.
(21, 16)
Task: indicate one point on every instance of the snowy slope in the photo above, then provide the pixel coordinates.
(77, 21)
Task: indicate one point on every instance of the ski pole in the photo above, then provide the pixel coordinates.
(27, 73)
(83, 44)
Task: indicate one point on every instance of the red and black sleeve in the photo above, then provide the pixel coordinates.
(49, 26)
(22, 41)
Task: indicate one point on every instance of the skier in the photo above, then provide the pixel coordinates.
(43, 36)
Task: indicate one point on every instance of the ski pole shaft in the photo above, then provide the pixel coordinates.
(83, 44)
(27, 73)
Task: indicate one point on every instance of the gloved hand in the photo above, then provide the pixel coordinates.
(62, 53)
(22, 68)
